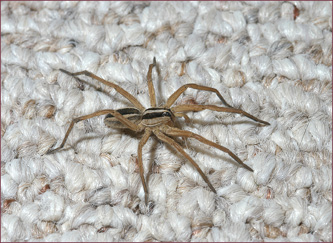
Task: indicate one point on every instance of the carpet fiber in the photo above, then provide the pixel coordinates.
(272, 60)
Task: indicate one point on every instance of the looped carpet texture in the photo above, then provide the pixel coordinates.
(270, 59)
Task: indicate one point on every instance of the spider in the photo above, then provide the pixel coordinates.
(158, 120)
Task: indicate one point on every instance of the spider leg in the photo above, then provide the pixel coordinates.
(182, 89)
(151, 85)
(185, 108)
(187, 119)
(142, 142)
(172, 131)
(160, 135)
(120, 90)
(116, 114)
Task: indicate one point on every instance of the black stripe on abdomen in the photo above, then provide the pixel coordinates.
(125, 111)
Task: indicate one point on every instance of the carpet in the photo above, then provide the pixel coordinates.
(270, 59)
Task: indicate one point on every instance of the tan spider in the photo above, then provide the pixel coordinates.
(159, 121)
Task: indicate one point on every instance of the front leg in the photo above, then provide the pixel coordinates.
(119, 89)
(182, 89)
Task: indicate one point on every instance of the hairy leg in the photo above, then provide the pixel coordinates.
(186, 108)
(120, 90)
(151, 85)
(172, 131)
(182, 89)
(142, 142)
(115, 113)
(187, 119)
(175, 145)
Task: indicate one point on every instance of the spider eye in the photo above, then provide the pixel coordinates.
(166, 114)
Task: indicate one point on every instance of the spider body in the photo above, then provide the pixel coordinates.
(158, 121)
(151, 117)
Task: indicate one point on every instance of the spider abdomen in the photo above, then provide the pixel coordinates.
(132, 114)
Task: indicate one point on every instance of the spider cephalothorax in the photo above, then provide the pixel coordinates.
(158, 120)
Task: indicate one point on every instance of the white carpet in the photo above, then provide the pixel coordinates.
(273, 60)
